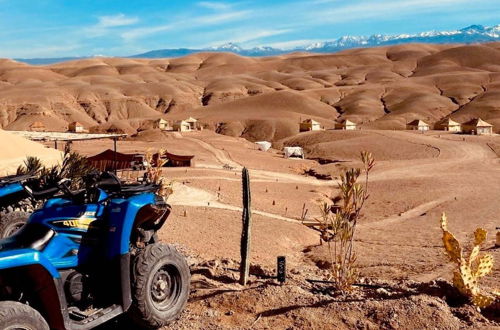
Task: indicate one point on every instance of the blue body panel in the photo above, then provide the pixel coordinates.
(10, 189)
(69, 247)
(26, 257)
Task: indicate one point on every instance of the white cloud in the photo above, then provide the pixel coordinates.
(246, 36)
(116, 20)
(379, 9)
(184, 24)
(214, 5)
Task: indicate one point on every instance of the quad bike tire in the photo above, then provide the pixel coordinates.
(11, 222)
(17, 316)
(160, 286)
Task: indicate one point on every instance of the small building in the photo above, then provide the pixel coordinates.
(417, 125)
(187, 125)
(37, 126)
(346, 125)
(477, 126)
(76, 127)
(449, 125)
(162, 124)
(310, 125)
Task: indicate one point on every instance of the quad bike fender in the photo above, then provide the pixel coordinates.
(11, 194)
(10, 189)
(122, 216)
(26, 257)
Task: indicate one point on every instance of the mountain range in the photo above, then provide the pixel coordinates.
(468, 35)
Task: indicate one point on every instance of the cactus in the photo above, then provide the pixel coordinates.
(469, 269)
(246, 232)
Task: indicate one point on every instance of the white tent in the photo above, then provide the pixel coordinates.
(293, 152)
(263, 145)
(14, 150)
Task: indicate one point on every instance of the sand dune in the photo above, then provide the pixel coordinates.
(265, 97)
(15, 149)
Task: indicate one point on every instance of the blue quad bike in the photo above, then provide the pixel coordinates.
(16, 204)
(89, 256)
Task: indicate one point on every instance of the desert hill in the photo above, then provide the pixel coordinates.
(259, 97)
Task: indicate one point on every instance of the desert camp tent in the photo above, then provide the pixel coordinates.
(175, 160)
(449, 125)
(293, 152)
(417, 125)
(76, 127)
(186, 125)
(15, 149)
(37, 126)
(263, 145)
(162, 124)
(107, 160)
(346, 125)
(309, 125)
(477, 126)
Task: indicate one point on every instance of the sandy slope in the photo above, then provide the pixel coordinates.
(14, 150)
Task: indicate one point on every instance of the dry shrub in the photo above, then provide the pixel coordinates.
(154, 172)
(337, 224)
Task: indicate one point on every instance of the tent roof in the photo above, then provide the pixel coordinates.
(449, 122)
(178, 157)
(75, 123)
(478, 122)
(110, 155)
(191, 120)
(418, 122)
(310, 121)
(347, 122)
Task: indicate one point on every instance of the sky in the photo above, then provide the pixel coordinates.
(62, 28)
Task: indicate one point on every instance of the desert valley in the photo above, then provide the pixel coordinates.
(405, 277)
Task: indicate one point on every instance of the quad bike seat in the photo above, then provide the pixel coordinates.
(15, 179)
(111, 183)
(31, 236)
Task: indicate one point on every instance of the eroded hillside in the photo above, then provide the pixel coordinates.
(259, 98)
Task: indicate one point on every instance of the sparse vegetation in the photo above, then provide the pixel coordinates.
(74, 166)
(337, 224)
(469, 269)
(154, 172)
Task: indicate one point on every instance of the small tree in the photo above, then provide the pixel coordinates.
(337, 224)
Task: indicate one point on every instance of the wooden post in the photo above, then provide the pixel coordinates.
(114, 155)
(246, 230)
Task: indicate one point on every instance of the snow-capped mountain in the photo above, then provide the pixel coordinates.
(467, 35)
(470, 34)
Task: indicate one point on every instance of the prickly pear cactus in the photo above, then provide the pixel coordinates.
(469, 269)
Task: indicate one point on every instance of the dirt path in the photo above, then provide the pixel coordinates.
(221, 155)
(188, 196)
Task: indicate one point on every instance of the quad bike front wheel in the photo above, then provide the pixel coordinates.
(11, 222)
(17, 316)
(160, 287)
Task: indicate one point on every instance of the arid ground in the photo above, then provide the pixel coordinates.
(404, 274)
(398, 244)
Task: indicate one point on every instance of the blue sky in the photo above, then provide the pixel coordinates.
(57, 28)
